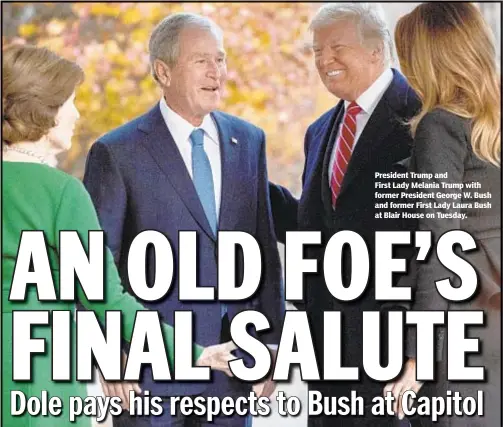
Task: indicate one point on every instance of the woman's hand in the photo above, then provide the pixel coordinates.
(120, 388)
(407, 381)
(218, 357)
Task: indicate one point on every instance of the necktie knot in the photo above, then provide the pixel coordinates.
(353, 109)
(197, 137)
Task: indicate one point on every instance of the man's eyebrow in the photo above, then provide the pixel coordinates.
(207, 55)
(331, 44)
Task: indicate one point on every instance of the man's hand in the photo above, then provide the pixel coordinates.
(402, 384)
(218, 357)
(267, 386)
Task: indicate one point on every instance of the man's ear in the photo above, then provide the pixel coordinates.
(162, 72)
(378, 53)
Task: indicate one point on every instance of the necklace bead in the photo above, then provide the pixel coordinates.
(30, 153)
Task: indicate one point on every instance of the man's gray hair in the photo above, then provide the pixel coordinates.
(369, 18)
(164, 41)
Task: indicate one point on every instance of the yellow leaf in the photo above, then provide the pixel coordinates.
(140, 35)
(265, 39)
(27, 30)
(98, 9)
(258, 97)
(155, 14)
(286, 48)
(131, 16)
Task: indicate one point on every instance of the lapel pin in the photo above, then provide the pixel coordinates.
(234, 140)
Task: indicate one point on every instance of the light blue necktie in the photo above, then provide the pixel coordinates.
(203, 181)
(203, 178)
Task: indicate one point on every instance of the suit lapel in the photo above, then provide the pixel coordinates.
(230, 150)
(326, 192)
(163, 149)
(369, 145)
(383, 121)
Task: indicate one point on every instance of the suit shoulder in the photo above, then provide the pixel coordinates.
(321, 121)
(239, 122)
(62, 183)
(439, 115)
(323, 118)
(412, 104)
(124, 134)
(440, 120)
(254, 135)
(55, 178)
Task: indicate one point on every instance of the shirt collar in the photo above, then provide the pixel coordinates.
(181, 129)
(369, 99)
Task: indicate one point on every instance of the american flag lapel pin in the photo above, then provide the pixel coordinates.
(234, 141)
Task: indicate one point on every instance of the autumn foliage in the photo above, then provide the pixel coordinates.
(272, 80)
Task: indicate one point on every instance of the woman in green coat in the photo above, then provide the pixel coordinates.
(38, 119)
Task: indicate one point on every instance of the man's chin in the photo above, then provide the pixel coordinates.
(211, 106)
(336, 91)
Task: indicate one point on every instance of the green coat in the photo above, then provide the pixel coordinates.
(38, 197)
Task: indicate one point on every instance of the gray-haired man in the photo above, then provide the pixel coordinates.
(345, 147)
(185, 166)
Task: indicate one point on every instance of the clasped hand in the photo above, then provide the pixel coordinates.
(407, 381)
(215, 356)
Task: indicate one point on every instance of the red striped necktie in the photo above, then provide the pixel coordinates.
(344, 149)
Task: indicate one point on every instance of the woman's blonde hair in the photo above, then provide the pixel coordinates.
(35, 84)
(446, 51)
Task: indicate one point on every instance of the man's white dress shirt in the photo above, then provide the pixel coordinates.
(181, 130)
(367, 101)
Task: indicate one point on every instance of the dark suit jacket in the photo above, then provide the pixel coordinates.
(384, 142)
(138, 181)
(442, 145)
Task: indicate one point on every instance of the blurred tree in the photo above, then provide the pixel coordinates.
(272, 81)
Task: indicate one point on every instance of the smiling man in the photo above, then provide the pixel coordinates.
(183, 166)
(362, 135)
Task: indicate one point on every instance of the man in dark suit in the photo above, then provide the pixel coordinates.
(344, 148)
(184, 166)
